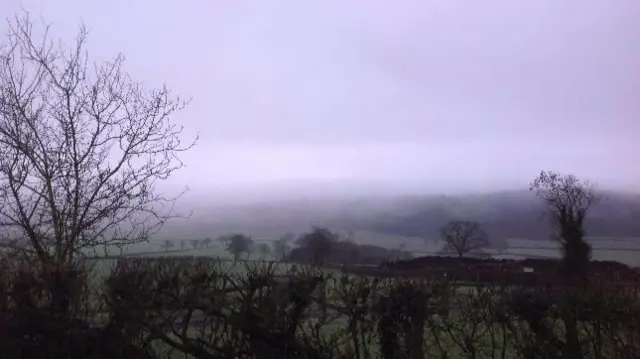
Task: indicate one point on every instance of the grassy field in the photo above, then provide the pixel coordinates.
(624, 250)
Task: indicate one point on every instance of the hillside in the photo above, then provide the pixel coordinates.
(506, 215)
(503, 214)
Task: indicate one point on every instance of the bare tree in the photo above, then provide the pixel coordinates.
(567, 200)
(318, 243)
(462, 237)
(81, 148)
(238, 244)
(281, 247)
(182, 244)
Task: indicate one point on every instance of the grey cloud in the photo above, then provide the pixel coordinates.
(437, 94)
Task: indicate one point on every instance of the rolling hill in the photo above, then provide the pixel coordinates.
(507, 215)
(514, 214)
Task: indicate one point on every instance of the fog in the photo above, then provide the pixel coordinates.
(335, 98)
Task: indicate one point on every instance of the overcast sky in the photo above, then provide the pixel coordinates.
(423, 95)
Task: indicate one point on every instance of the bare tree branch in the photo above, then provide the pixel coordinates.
(81, 147)
(567, 200)
(462, 237)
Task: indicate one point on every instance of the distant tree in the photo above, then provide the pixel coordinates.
(182, 244)
(281, 247)
(567, 200)
(319, 242)
(462, 237)
(195, 243)
(207, 242)
(167, 244)
(238, 244)
(264, 249)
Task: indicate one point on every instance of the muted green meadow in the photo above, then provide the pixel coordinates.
(624, 250)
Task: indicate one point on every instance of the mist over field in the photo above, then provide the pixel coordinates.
(387, 119)
(320, 179)
(306, 117)
(509, 213)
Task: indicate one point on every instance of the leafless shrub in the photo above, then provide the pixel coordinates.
(353, 298)
(201, 308)
(49, 312)
(468, 329)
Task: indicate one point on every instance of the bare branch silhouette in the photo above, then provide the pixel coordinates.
(81, 148)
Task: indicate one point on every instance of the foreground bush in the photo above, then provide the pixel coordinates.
(197, 308)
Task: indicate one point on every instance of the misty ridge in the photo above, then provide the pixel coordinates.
(503, 215)
(320, 180)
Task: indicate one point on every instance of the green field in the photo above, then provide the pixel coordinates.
(624, 250)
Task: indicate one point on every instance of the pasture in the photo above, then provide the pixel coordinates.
(623, 250)
(626, 251)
